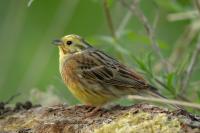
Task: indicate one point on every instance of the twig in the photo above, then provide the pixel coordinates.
(109, 18)
(159, 100)
(126, 19)
(197, 3)
(182, 43)
(190, 68)
(149, 29)
(182, 15)
(12, 97)
(156, 19)
(166, 87)
(193, 60)
(124, 22)
(29, 3)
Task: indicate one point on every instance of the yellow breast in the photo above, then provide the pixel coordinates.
(83, 92)
(87, 95)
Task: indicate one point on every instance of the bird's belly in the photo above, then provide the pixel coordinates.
(87, 93)
(89, 96)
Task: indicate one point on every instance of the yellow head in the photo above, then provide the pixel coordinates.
(71, 44)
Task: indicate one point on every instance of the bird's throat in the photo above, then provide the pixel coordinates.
(62, 51)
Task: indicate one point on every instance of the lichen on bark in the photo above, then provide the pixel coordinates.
(71, 119)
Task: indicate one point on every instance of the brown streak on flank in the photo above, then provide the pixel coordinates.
(85, 87)
(108, 90)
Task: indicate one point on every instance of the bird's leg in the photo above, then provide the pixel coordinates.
(92, 112)
(89, 108)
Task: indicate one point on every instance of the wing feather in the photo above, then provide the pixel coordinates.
(106, 70)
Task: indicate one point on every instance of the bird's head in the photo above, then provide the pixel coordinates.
(71, 44)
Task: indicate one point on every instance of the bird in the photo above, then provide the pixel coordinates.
(94, 77)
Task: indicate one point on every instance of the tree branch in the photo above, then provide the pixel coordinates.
(149, 29)
(190, 68)
(193, 60)
(168, 101)
(109, 18)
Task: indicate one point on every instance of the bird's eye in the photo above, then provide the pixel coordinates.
(69, 42)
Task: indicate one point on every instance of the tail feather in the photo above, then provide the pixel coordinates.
(154, 92)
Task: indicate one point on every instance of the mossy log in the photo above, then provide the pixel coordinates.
(118, 119)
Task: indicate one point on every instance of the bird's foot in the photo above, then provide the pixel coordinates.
(93, 111)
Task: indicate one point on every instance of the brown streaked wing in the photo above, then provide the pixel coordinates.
(106, 70)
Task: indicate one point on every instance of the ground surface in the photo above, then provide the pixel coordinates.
(25, 118)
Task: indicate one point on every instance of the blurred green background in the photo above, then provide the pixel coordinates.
(29, 62)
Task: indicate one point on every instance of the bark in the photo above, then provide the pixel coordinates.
(72, 119)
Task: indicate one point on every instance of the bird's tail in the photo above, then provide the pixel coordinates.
(154, 92)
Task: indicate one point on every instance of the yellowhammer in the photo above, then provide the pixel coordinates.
(95, 78)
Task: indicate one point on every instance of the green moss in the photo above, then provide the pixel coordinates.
(141, 122)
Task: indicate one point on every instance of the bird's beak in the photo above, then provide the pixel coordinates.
(57, 42)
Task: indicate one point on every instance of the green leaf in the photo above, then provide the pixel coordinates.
(170, 81)
(149, 63)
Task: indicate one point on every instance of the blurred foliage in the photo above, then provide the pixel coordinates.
(29, 61)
